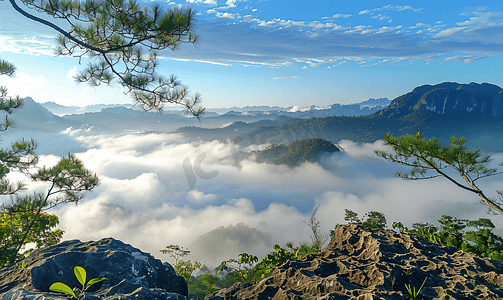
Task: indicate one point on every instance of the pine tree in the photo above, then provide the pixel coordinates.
(430, 155)
(123, 39)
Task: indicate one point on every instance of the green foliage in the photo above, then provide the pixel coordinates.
(124, 38)
(486, 243)
(375, 220)
(68, 177)
(14, 225)
(80, 273)
(185, 268)
(352, 217)
(253, 274)
(6, 68)
(24, 220)
(203, 285)
(246, 275)
(430, 155)
(297, 152)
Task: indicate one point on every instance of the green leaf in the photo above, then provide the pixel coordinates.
(80, 273)
(62, 288)
(95, 280)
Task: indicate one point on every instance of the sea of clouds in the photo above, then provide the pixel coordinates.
(160, 189)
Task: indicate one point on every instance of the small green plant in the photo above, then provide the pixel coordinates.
(412, 291)
(184, 268)
(21, 265)
(253, 274)
(80, 273)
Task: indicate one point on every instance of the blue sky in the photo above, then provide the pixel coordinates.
(287, 53)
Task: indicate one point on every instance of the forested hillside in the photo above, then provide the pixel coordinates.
(297, 152)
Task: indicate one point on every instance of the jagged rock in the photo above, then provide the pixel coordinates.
(130, 273)
(362, 263)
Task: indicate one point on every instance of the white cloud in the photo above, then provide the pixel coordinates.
(386, 29)
(199, 197)
(381, 17)
(379, 62)
(388, 8)
(227, 15)
(278, 23)
(397, 8)
(341, 16)
(71, 73)
(448, 32)
(359, 28)
(221, 15)
(463, 58)
(229, 4)
(419, 25)
(144, 198)
(28, 45)
(484, 19)
(24, 85)
(202, 61)
(319, 25)
(209, 2)
(406, 7)
(291, 77)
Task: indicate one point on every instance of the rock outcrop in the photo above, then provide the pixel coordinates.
(362, 263)
(130, 273)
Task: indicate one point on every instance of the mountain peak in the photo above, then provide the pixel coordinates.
(449, 98)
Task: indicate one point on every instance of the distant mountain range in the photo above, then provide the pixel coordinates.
(473, 110)
(375, 102)
(358, 109)
(61, 110)
(443, 110)
(53, 117)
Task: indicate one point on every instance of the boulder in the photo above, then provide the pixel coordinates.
(362, 263)
(130, 273)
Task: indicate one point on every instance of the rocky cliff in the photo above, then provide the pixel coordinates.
(363, 263)
(449, 98)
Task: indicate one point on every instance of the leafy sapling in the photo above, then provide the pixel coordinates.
(80, 273)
